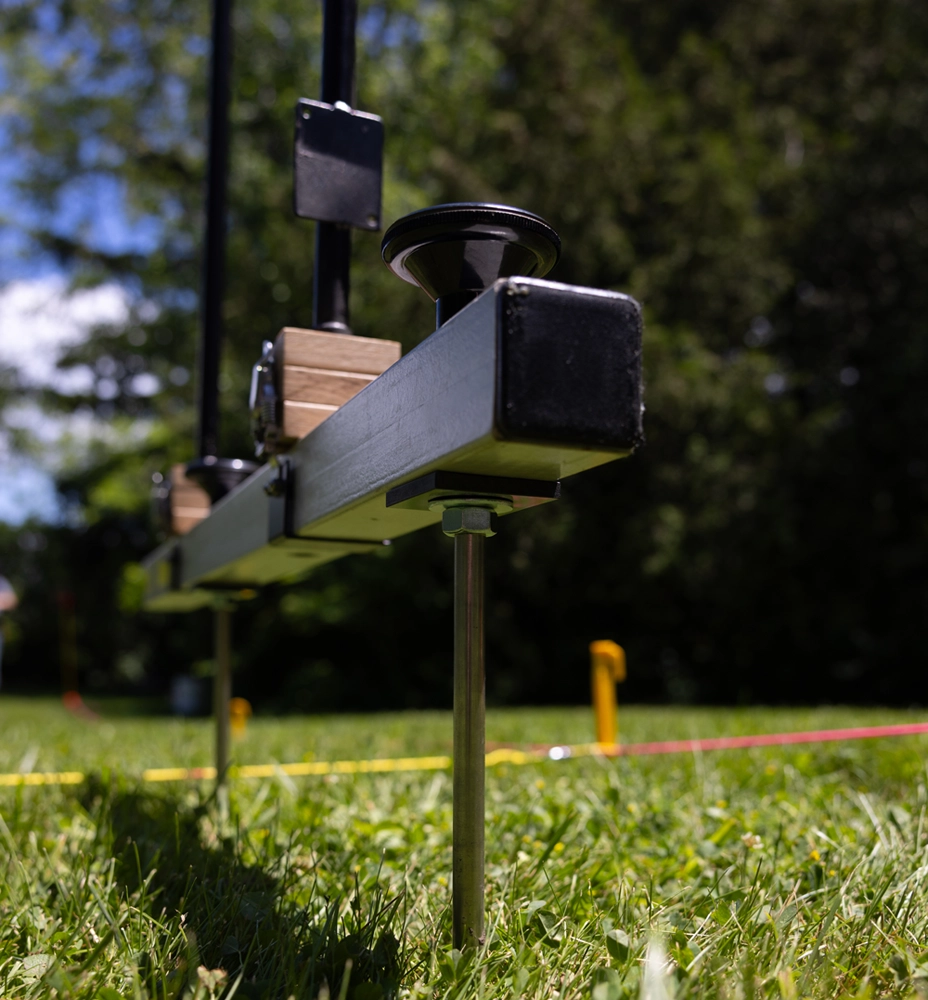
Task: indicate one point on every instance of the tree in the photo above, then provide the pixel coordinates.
(752, 174)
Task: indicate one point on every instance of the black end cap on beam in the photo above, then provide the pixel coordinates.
(569, 366)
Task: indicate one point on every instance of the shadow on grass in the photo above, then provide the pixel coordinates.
(243, 917)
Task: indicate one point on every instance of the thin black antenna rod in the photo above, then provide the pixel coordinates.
(331, 280)
(339, 21)
(214, 255)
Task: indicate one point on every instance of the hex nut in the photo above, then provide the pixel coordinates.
(468, 521)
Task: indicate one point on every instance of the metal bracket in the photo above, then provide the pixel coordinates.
(280, 501)
(280, 530)
(265, 403)
(337, 164)
(443, 487)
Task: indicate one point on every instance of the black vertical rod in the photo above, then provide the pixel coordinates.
(338, 33)
(214, 254)
(331, 281)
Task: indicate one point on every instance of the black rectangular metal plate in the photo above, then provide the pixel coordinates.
(419, 493)
(337, 165)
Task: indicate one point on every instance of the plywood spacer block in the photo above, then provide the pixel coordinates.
(319, 372)
(316, 385)
(189, 502)
(335, 351)
(301, 418)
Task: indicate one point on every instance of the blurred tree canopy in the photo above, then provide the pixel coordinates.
(755, 174)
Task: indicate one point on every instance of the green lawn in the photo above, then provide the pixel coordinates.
(783, 873)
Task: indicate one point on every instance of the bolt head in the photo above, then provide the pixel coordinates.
(468, 521)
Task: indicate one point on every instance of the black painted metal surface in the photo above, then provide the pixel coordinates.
(442, 408)
(215, 242)
(569, 367)
(421, 493)
(338, 165)
(332, 263)
(339, 25)
(454, 252)
(216, 475)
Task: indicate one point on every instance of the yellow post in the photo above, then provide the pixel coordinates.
(607, 668)
(239, 713)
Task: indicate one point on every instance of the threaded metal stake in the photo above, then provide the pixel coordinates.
(469, 741)
(467, 887)
(222, 689)
(469, 521)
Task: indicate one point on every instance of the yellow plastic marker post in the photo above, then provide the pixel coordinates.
(239, 714)
(607, 667)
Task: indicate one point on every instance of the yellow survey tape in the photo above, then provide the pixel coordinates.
(48, 778)
(303, 769)
(503, 755)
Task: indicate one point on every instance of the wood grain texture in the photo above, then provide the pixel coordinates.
(301, 418)
(182, 520)
(335, 351)
(189, 502)
(191, 498)
(316, 385)
(321, 371)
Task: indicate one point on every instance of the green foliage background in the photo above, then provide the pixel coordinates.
(753, 173)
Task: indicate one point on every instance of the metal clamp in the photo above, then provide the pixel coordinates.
(264, 403)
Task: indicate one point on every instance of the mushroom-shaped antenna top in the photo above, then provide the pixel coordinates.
(453, 252)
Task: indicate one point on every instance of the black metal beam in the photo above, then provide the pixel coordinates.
(533, 380)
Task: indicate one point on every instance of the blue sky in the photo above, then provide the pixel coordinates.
(38, 320)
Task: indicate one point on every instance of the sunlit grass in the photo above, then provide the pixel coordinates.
(778, 873)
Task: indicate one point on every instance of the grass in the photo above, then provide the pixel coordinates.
(798, 872)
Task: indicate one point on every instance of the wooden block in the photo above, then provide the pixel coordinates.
(189, 502)
(335, 351)
(181, 523)
(301, 418)
(189, 498)
(315, 385)
(319, 372)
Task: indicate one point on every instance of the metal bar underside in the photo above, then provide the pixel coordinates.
(435, 409)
